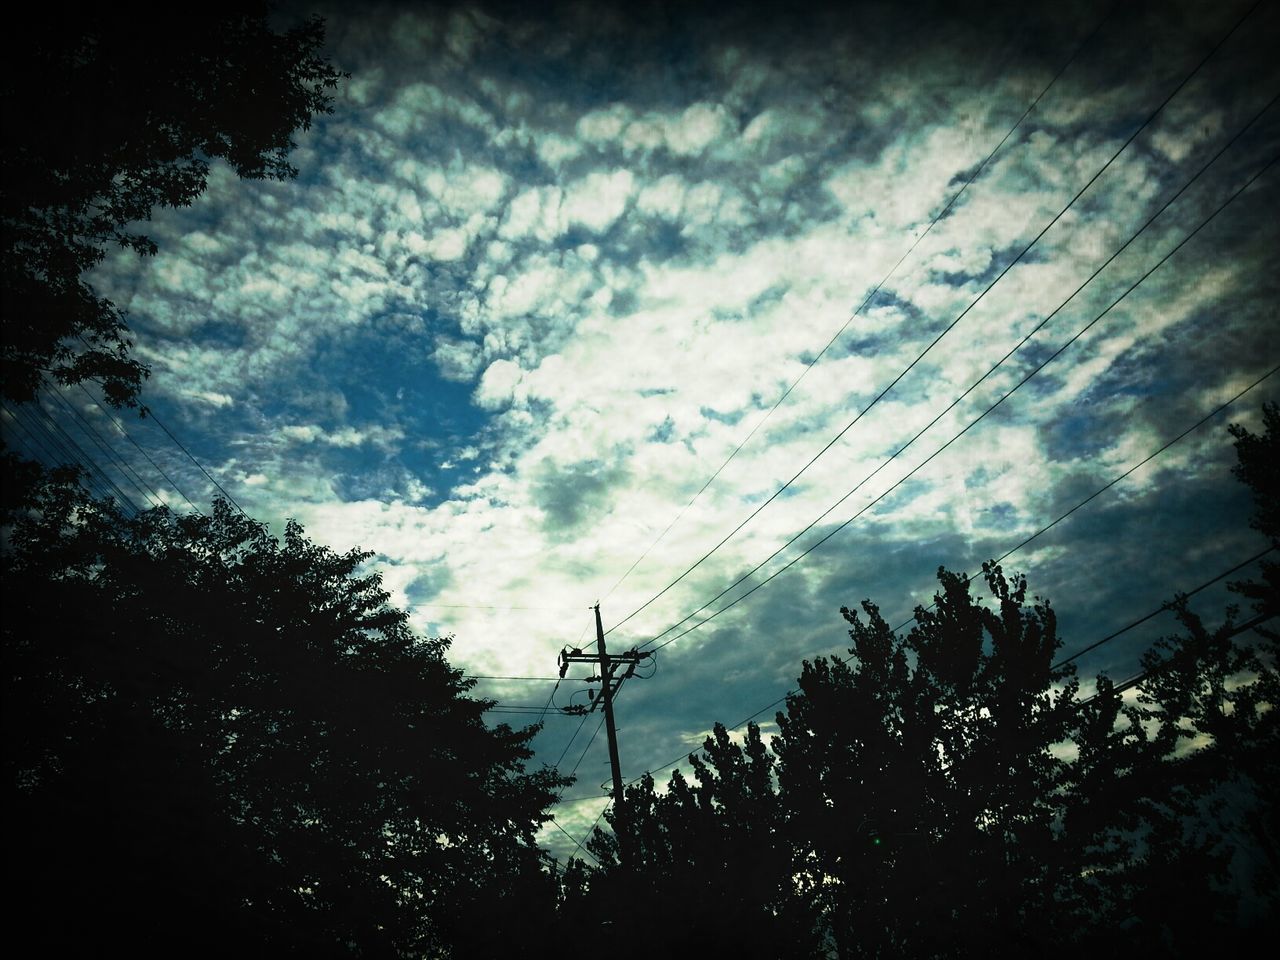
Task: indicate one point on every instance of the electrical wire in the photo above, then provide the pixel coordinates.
(59, 453)
(482, 606)
(1141, 620)
(149, 494)
(1136, 679)
(1161, 609)
(1004, 271)
(74, 453)
(120, 426)
(870, 296)
(148, 412)
(1168, 202)
(31, 442)
(525, 707)
(479, 676)
(547, 706)
(587, 749)
(958, 435)
(553, 822)
(565, 751)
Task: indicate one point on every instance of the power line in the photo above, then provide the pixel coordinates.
(479, 676)
(1199, 423)
(128, 436)
(149, 493)
(1168, 202)
(565, 751)
(73, 453)
(960, 434)
(550, 699)
(1009, 266)
(1161, 609)
(1141, 620)
(32, 441)
(1136, 679)
(841, 526)
(524, 707)
(868, 298)
(587, 748)
(60, 454)
(148, 412)
(488, 606)
(577, 844)
(944, 333)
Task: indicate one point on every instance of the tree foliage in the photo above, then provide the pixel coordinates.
(948, 792)
(109, 111)
(214, 739)
(715, 870)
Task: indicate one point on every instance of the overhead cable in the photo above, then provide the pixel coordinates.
(148, 412)
(145, 489)
(128, 436)
(965, 430)
(946, 208)
(1004, 271)
(1161, 609)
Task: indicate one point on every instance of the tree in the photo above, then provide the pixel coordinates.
(711, 865)
(110, 111)
(1258, 467)
(217, 740)
(948, 793)
(1256, 757)
(918, 779)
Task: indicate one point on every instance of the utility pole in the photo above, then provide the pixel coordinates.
(608, 687)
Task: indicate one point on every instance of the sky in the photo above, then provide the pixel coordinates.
(545, 267)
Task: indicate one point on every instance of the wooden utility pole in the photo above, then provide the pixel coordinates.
(606, 692)
(608, 687)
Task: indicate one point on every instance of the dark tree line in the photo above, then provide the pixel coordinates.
(217, 741)
(948, 793)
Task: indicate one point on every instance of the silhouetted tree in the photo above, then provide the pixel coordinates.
(711, 866)
(948, 793)
(1255, 758)
(918, 778)
(1258, 467)
(214, 740)
(109, 111)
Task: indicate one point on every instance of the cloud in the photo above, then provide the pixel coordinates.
(596, 201)
(540, 278)
(498, 385)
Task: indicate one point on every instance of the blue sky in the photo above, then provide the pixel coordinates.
(541, 273)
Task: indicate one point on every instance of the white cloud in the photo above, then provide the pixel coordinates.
(664, 197)
(602, 126)
(699, 126)
(498, 384)
(597, 200)
(536, 212)
(303, 433)
(448, 245)
(210, 397)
